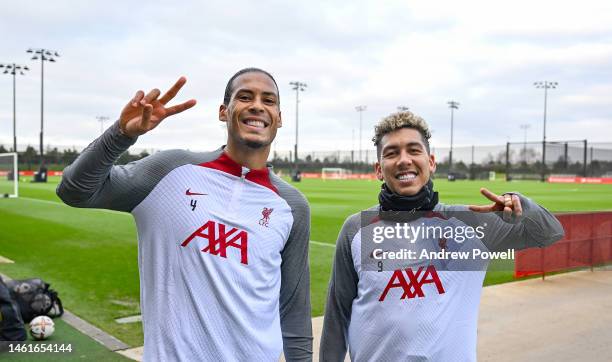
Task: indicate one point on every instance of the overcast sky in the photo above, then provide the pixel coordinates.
(383, 54)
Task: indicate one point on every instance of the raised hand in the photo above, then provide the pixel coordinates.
(509, 204)
(145, 112)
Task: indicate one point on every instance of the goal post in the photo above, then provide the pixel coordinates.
(334, 173)
(9, 175)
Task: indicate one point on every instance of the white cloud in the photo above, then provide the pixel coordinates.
(486, 55)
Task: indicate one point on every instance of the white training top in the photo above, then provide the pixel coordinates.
(222, 251)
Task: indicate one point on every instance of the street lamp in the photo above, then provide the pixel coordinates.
(13, 69)
(43, 55)
(102, 119)
(452, 105)
(297, 87)
(360, 109)
(524, 127)
(546, 85)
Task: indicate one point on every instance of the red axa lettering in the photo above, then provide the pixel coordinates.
(412, 282)
(219, 239)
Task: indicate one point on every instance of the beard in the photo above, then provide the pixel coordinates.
(254, 144)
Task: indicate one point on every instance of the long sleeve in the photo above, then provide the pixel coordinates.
(537, 227)
(342, 291)
(295, 309)
(93, 181)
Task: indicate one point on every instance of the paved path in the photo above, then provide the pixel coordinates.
(567, 317)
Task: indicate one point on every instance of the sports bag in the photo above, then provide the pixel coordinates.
(35, 298)
(11, 323)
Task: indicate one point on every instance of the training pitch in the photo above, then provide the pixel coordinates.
(90, 256)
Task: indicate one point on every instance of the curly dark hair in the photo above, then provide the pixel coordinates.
(397, 121)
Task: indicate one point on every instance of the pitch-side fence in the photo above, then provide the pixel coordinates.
(514, 160)
(587, 243)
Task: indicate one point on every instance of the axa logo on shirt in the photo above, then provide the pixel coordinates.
(411, 284)
(220, 237)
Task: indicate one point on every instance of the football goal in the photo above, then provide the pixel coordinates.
(9, 176)
(334, 173)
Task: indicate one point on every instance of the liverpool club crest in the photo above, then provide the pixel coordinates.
(265, 213)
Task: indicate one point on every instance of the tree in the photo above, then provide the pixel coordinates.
(52, 155)
(69, 156)
(29, 156)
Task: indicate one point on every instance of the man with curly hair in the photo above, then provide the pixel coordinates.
(418, 309)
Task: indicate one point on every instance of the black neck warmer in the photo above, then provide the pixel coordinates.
(424, 200)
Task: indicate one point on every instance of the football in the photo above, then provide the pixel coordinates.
(41, 327)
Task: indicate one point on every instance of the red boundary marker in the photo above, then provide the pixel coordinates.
(587, 242)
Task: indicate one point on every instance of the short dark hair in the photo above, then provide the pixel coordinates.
(229, 88)
(397, 121)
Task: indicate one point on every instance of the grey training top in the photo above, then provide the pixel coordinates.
(420, 312)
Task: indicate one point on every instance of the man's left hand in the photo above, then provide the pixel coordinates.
(509, 204)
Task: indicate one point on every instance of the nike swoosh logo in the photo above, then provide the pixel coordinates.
(189, 193)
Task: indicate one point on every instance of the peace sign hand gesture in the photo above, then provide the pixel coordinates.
(509, 204)
(145, 112)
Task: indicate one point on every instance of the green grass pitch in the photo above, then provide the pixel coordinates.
(6, 187)
(90, 256)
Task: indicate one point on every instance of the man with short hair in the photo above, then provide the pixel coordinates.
(222, 241)
(417, 308)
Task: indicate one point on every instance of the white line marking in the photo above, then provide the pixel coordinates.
(4, 260)
(323, 244)
(62, 204)
(130, 319)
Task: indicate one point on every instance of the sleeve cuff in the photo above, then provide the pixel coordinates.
(120, 136)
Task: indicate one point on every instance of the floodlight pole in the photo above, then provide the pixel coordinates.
(524, 127)
(452, 105)
(45, 55)
(14, 110)
(102, 119)
(546, 85)
(353, 146)
(297, 87)
(360, 109)
(13, 69)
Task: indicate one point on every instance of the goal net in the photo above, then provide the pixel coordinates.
(9, 178)
(334, 173)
